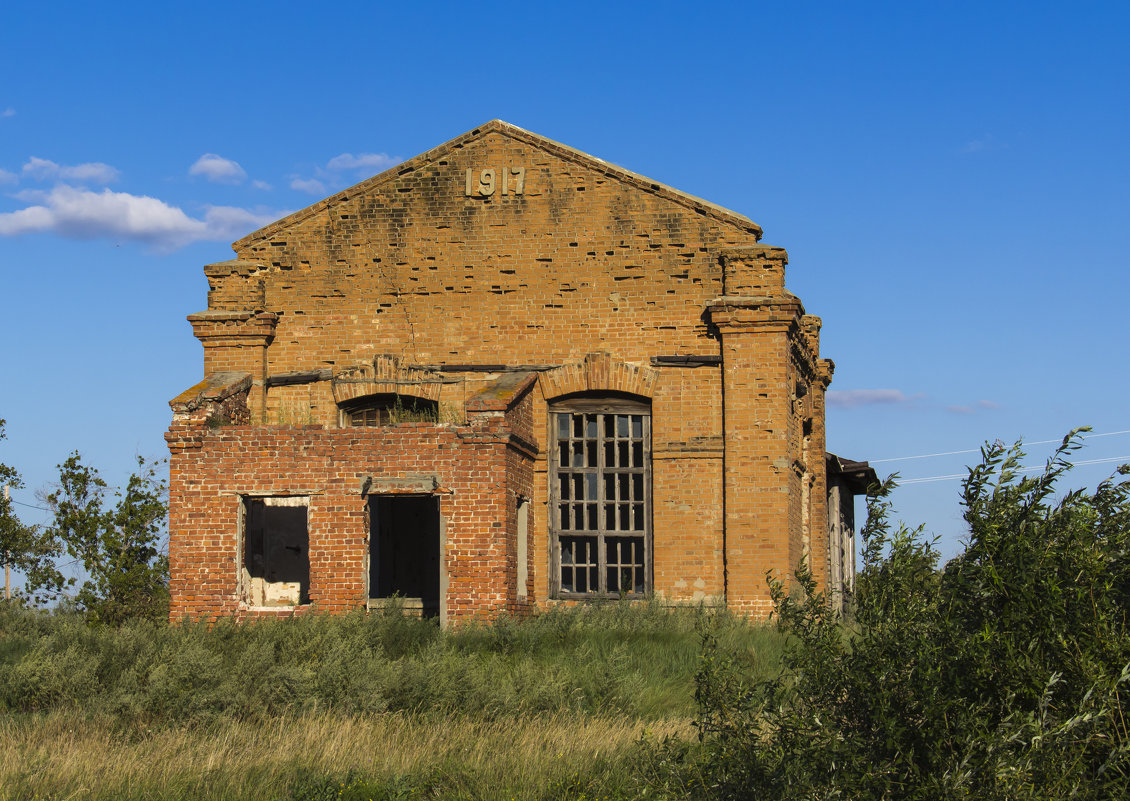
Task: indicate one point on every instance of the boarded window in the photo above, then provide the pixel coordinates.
(276, 551)
(600, 497)
(384, 410)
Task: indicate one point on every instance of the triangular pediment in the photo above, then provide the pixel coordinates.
(532, 140)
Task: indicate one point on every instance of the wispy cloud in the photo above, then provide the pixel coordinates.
(8, 112)
(266, 187)
(853, 398)
(217, 169)
(8, 177)
(311, 185)
(362, 161)
(341, 169)
(981, 405)
(79, 213)
(94, 172)
(227, 223)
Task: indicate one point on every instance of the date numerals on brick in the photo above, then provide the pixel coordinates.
(484, 183)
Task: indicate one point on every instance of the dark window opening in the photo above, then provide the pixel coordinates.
(600, 497)
(404, 551)
(276, 551)
(384, 410)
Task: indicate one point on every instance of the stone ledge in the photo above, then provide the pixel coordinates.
(213, 389)
(500, 394)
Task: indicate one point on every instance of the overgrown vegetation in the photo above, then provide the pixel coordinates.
(1004, 675)
(553, 707)
(637, 661)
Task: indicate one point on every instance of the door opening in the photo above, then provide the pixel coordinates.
(404, 551)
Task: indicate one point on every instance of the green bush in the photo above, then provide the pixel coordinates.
(1004, 675)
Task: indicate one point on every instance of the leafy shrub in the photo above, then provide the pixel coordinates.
(1004, 675)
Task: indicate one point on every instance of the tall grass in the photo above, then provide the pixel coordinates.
(66, 755)
(637, 661)
(366, 705)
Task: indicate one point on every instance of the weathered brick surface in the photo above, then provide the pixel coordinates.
(582, 279)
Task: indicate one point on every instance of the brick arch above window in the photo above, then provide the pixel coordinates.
(599, 372)
(384, 375)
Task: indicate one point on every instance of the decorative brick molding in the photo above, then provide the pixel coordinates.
(223, 329)
(599, 372)
(384, 375)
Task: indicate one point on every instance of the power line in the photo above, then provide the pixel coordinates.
(31, 506)
(1028, 469)
(978, 450)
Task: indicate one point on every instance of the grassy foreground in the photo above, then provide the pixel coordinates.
(568, 705)
(64, 755)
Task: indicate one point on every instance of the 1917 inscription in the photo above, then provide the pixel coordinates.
(484, 183)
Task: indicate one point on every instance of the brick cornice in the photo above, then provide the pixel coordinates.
(754, 312)
(234, 328)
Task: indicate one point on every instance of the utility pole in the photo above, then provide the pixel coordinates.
(7, 566)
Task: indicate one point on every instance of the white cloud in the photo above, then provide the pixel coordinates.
(228, 223)
(330, 177)
(79, 213)
(218, 169)
(979, 405)
(852, 398)
(312, 185)
(366, 161)
(8, 112)
(266, 187)
(93, 172)
(8, 177)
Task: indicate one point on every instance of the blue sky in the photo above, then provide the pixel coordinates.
(952, 182)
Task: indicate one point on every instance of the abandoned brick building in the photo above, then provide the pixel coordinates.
(502, 374)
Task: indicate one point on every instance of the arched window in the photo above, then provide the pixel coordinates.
(600, 497)
(383, 410)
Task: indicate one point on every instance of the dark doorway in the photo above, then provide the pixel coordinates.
(404, 550)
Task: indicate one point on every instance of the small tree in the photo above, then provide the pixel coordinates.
(26, 548)
(118, 547)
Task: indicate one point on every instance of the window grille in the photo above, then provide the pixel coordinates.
(600, 498)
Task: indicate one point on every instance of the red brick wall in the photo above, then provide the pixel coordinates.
(213, 469)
